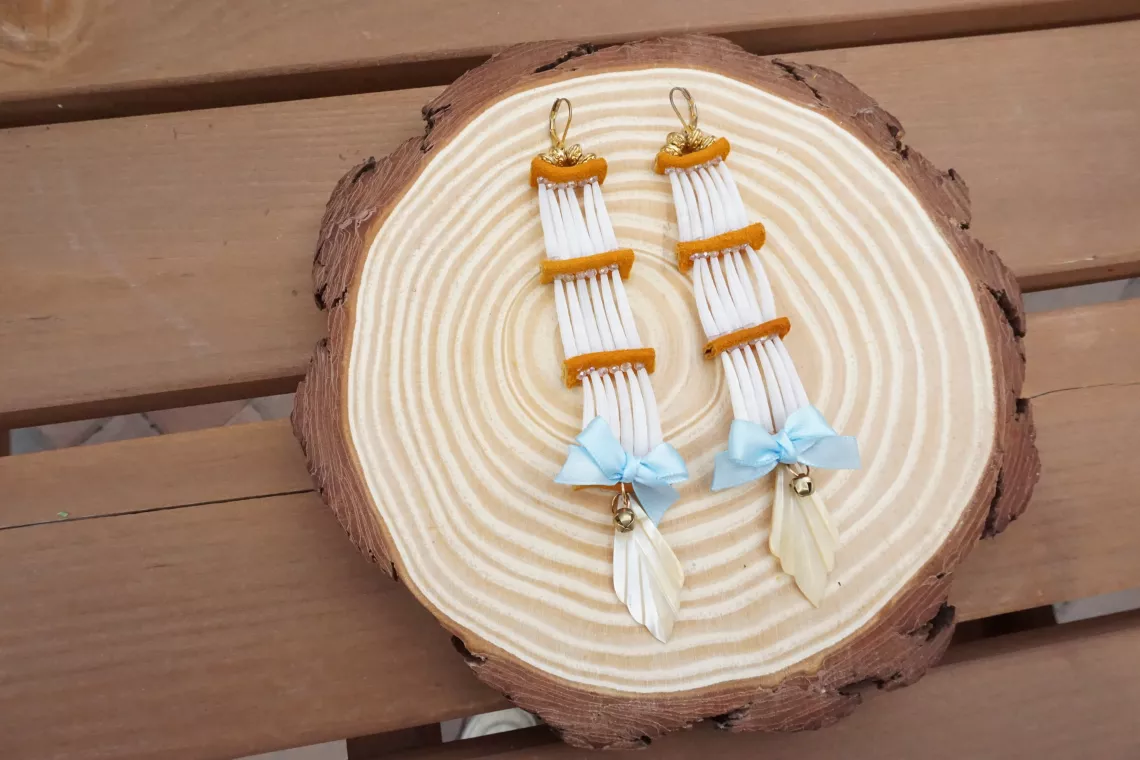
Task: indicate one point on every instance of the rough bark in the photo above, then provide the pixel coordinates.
(893, 650)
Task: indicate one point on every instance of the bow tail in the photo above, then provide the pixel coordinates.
(647, 575)
(655, 498)
(803, 538)
(729, 473)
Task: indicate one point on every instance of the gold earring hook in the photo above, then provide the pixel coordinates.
(689, 138)
(555, 140)
(691, 122)
(559, 154)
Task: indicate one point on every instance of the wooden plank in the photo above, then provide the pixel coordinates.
(173, 252)
(189, 269)
(128, 636)
(1065, 692)
(85, 60)
(377, 746)
(254, 614)
(198, 468)
(1033, 191)
(1078, 538)
(480, 747)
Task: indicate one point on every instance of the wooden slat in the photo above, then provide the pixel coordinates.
(477, 748)
(1006, 116)
(176, 252)
(378, 746)
(252, 461)
(211, 632)
(172, 253)
(255, 615)
(60, 61)
(1078, 538)
(1065, 692)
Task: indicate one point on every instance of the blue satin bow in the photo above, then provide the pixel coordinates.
(753, 452)
(599, 460)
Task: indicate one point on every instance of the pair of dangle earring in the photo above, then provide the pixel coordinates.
(621, 445)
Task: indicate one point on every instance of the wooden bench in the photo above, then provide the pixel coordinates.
(165, 169)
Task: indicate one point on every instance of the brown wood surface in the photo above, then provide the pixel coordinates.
(60, 60)
(906, 637)
(1063, 692)
(197, 633)
(377, 746)
(486, 746)
(173, 244)
(254, 461)
(257, 608)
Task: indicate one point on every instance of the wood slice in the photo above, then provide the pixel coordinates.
(434, 418)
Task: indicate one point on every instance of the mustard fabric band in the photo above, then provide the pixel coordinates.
(753, 235)
(666, 161)
(575, 366)
(595, 168)
(717, 346)
(552, 269)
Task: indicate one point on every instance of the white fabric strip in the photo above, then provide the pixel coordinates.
(594, 314)
(732, 292)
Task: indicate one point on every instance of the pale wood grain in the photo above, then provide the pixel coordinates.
(263, 612)
(173, 244)
(418, 393)
(58, 59)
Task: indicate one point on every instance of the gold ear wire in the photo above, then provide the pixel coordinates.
(691, 123)
(559, 154)
(690, 138)
(559, 142)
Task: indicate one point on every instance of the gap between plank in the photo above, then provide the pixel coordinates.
(252, 87)
(164, 508)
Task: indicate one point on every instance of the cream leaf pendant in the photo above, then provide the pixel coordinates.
(647, 574)
(803, 537)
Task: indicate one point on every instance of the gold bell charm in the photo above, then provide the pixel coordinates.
(623, 513)
(802, 484)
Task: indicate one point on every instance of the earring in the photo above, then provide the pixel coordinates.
(774, 426)
(620, 447)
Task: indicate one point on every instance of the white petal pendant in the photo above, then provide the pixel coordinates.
(803, 537)
(647, 574)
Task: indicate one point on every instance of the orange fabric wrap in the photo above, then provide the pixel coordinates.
(717, 346)
(576, 365)
(621, 258)
(665, 161)
(595, 168)
(753, 235)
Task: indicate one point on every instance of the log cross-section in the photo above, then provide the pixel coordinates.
(433, 416)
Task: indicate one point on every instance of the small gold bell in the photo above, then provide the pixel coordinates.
(802, 485)
(623, 518)
(623, 514)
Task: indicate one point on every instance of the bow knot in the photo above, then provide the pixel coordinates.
(806, 438)
(599, 460)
